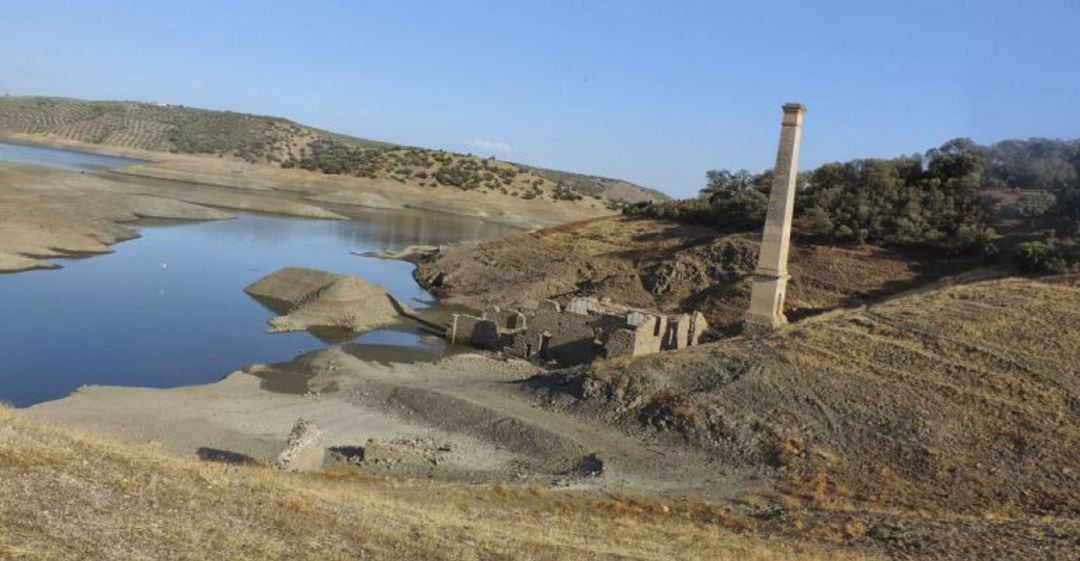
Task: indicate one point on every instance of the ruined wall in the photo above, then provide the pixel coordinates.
(650, 335)
(620, 343)
(508, 319)
(698, 327)
(474, 331)
(585, 330)
(678, 335)
(565, 337)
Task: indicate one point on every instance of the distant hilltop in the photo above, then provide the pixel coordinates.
(270, 140)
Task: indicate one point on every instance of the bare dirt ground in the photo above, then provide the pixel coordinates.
(67, 495)
(940, 425)
(51, 213)
(918, 404)
(469, 405)
(664, 266)
(234, 184)
(951, 415)
(936, 424)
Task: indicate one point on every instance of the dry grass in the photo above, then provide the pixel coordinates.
(70, 496)
(960, 399)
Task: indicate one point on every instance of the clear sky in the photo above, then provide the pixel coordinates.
(655, 92)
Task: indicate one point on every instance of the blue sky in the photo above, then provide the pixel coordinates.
(654, 92)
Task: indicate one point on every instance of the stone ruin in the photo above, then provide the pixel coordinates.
(304, 450)
(585, 330)
(588, 329)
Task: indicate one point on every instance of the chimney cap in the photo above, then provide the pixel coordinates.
(794, 108)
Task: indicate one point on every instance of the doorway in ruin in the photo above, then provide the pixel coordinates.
(545, 343)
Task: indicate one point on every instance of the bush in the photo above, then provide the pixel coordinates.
(931, 201)
(1049, 256)
(1036, 204)
(730, 201)
(900, 201)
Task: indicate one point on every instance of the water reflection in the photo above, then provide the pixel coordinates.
(397, 229)
(62, 159)
(168, 309)
(371, 229)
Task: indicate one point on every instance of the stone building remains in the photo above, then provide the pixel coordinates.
(583, 331)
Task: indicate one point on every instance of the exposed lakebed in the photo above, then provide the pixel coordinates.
(168, 309)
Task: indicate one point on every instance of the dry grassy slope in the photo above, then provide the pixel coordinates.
(654, 264)
(153, 127)
(264, 139)
(963, 399)
(69, 496)
(615, 189)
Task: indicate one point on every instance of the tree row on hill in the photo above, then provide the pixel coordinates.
(263, 139)
(426, 167)
(948, 199)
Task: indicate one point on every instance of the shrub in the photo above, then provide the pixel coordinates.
(1042, 257)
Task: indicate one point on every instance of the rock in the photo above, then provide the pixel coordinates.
(436, 280)
(407, 454)
(289, 288)
(589, 466)
(347, 454)
(322, 302)
(411, 254)
(303, 448)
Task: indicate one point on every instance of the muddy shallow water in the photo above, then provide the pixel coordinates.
(168, 309)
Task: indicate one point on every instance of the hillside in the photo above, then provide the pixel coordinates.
(65, 495)
(615, 189)
(956, 407)
(1018, 199)
(666, 266)
(276, 141)
(933, 410)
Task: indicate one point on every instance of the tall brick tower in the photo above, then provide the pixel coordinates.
(770, 278)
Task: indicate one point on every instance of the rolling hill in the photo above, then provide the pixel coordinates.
(277, 141)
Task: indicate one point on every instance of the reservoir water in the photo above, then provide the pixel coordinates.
(168, 309)
(69, 160)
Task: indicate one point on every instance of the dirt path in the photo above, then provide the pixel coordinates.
(460, 394)
(471, 404)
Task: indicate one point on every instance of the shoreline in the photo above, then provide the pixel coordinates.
(240, 415)
(321, 189)
(46, 213)
(460, 418)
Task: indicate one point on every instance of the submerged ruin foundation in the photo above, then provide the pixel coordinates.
(584, 330)
(771, 276)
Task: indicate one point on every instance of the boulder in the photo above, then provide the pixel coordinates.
(303, 450)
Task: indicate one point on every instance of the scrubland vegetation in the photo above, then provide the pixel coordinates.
(428, 168)
(276, 141)
(960, 198)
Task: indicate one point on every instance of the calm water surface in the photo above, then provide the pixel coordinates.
(168, 309)
(69, 160)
